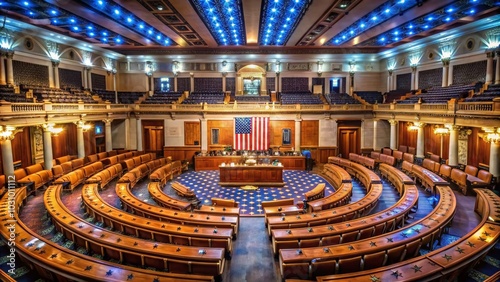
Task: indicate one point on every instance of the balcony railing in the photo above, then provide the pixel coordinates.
(472, 108)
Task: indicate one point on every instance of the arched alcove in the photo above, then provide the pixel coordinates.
(251, 80)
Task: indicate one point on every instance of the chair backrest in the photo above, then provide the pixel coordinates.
(485, 176)
(348, 265)
(403, 148)
(445, 171)
(471, 170)
(374, 260)
(435, 158)
(395, 254)
(412, 150)
(33, 168)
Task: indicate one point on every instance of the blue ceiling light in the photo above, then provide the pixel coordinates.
(281, 18)
(424, 23)
(100, 2)
(91, 34)
(117, 12)
(26, 3)
(53, 12)
(382, 13)
(75, 28)
(222, 18)
(72, 20)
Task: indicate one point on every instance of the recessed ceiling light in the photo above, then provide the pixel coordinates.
(160, 8)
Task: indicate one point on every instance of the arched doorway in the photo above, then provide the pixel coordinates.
(251, 80)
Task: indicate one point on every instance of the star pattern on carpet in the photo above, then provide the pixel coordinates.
(205, 184)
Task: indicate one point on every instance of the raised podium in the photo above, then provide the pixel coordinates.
(254, 175)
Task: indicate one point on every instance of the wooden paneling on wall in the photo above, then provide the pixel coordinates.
(192, 133)
(433, 142)
(65, 143)
(407, 138)
(153, 135)
(225, 133)
(275, 133)
(309, 133)
(181, 153)
(21, 148)
(478, 151)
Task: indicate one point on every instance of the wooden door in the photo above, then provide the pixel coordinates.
(349, 141)
(153, 137)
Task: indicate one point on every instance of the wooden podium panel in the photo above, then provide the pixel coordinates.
(213, 162)
(258, 175)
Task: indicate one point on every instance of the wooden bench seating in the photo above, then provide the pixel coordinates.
(279, 207)
(129, 250)
(103, 177)
(431, 165)
(184, 191)
(164, 200)
(162, 174)
(355, 229)
(64, 159)
(446, 263)
(387, 151)
(165, 225)
(460, 179)
(38, 177)
(307, 263)
(315, 193)
(224, 202)
(428, 178)
(134, 175)
(226, 211)
(339, 214)
(409, 157)
(68, 265)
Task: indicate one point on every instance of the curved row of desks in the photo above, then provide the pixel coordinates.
(391, 247)
(134, 205)
(446, 263)
(128, 250)
(56, 263)
(356, 229)
(339, 214)
(148, 228)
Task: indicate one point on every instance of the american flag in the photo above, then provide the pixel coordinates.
(251, 133)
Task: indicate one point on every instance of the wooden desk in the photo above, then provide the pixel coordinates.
(213, 163)
(263, 175)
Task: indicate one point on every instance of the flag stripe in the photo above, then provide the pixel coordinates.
(251, 133)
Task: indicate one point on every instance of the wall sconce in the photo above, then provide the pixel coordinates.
(277, 67)
(492, 39)
(53, 130)
(441, 131)
(149, 68)
(6, 132)
(492, 135)
(84, 126)
(320, 68)
(413, 126)
(352, 67)
(176, 68)
(224, 68)
(6, 38)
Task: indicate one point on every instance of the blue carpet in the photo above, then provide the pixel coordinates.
(205, 185)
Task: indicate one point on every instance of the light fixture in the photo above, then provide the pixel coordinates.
(149, 68)
(6, 38)
(352, 67)
(320, 68)
(6, 132)
(442, 131)
(446, 51)
(52, 129)
(176, 68)
(492, 135)
(492, 38)
(84, 126)
(224, 68)
(277, 67)
(413, 126)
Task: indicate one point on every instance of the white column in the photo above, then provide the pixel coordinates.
(204, 135)
(85, 81)
(389, 81)
(224, 83)
(7, 158)
(114, 87)
(51, 76)
(127, 133)
(191, 81)
(309, 83)
(413, 76)
(446, 68)
(263, 85)
(3, 79)
(80, 141)
(351, 83)
(453, 146)
(450, 75)
(497, 72)
(297, 134)
(47, 148)
(89, 77)
(394, 130)
(56, 75)
(495, 158)
(489, 67)
(175, 83)
(139, 134)
(441, 137)
(362, 134)
(10, 69)
(107, 134)
(420, 141)
(375, 142)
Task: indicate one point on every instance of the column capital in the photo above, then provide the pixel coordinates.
(393, 122)
(490, 54)
(446, 62)
(497, 53)
(413, 68)
(9, 54)
(107, 121)
(55, 63)
(390, 72)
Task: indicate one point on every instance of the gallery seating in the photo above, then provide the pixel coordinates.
(300, 97)
(340, 99)
(371, 97)
(209, 97)
(163, 98)
(440, 94)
